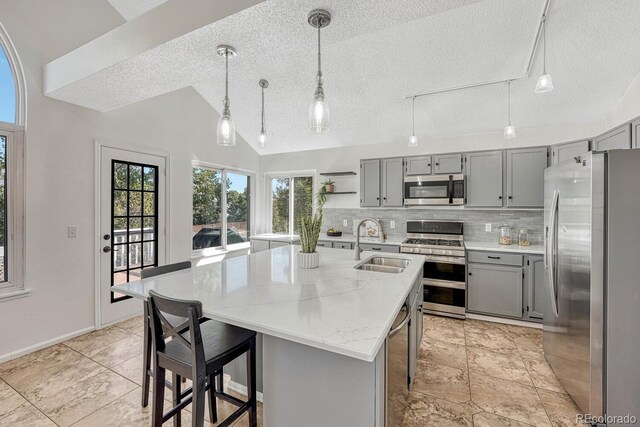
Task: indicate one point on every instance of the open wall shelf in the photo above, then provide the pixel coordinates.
(340, 192)
(337, 173)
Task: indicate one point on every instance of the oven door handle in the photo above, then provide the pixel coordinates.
(445, 260)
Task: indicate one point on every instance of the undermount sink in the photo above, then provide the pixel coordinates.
(383, 265)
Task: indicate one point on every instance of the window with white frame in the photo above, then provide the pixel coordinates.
(291, 198)
(11, 173)
(221, 207)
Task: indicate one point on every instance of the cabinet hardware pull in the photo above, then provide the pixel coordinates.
(493, 257)
(470, 274)
(376, 249)
(510, 197)
(500, 197)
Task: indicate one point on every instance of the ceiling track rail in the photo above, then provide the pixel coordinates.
(527, 72)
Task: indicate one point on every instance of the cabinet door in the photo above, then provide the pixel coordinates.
(619, 137)
(324, 244)
(525, 177)
(259, 245)
(537, 290)
(370, 183)
(484, 179)
(447, 164)
(418, 165)
(635, 134)
(494, 289)
(275, 244)
(562, 152)
(392, 182)
(342, 245)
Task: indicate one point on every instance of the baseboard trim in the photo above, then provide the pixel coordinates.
(57, 340)
(242, 389)
(513, 322)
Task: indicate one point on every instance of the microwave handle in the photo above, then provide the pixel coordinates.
(450, 189)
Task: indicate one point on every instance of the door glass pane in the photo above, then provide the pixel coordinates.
(237, 208)
(3, 207)
(302, 199)
(7, 91)
(207, 208)
(280, 207)
(129, 226)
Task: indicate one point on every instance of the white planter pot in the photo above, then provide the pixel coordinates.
(311, 260)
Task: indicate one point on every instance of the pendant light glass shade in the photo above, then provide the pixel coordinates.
(544, 83)
(509, 130)
(262, 139)
(226, 127)
(319, 110)
(413, 141)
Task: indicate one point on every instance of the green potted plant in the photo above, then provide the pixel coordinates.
(309, 227)
(329, 186)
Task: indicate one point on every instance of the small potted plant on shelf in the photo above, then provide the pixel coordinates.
(329, 186)
(309, 227)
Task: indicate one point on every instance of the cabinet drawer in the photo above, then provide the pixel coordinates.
(342, 245)
(324, 244)
(379, 248)
(495, 258)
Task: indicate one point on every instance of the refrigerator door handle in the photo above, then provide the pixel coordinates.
(551, 250)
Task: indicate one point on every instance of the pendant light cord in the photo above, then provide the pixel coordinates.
(544, 44)
(226, 80)
(319, 54)
(509, 101)
(262, 129)
(413, 117)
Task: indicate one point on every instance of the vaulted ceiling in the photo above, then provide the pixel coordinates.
(374, 53)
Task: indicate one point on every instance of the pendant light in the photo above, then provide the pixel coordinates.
(226, 127)
(544, 83)
(509, 131)
(319, 110)
(413, 141)
(262, 139)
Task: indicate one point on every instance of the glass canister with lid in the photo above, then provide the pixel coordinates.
(506, 235)
(523, 237)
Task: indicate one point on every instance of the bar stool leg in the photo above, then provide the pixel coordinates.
(146, 359)
(176, 388)
(199, 390)
(158, 397)
(251, 384)
(213, 411)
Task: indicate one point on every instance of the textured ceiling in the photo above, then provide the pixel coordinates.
(375, 52)
(130, 9)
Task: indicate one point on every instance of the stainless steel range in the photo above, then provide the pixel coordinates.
(445, 279)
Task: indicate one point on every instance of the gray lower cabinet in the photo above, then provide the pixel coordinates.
(259, 245)
(275, 244)
(447, 164)
(635, 134)
(418, 165)
(568, 150)
(616, 138)
(342, 245)
(379, 248)
(392, 182)
(494, 290)
(325, 244)
(525, 177)
(484, 179)
(370, 183)
(537, 291)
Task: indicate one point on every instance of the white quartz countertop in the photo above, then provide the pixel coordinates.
(494, 246)
(334, 307)
(350, 238)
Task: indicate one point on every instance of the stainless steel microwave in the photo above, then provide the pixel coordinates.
(422, 190)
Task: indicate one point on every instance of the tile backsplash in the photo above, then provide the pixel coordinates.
(474, 221)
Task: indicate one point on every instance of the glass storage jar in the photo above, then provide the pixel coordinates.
(523, 237)
(506, 235)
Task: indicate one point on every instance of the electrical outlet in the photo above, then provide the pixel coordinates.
(392, 224)
(345, 223)
(72, 231)
(487, 227)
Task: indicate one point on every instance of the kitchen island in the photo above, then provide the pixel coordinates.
(323, 330)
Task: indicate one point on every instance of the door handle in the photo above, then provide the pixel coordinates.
(493, 257)
(106, 236)
(106, 249)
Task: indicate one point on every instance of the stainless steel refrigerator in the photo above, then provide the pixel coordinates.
(592, 256)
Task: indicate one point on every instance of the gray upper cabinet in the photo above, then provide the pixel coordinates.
(392, 182)
(569, 150)
(635, 133)
(484, 179)
(447, 164)
(619, 137)
(418, 165)
(495, 289)
(370, 183)
(537, 290)
(525, 177)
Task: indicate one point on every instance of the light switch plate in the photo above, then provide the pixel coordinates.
(392, 224)
(345, 223)
(487, 227)
(72, 231)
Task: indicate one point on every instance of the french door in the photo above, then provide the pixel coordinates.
(132, 225)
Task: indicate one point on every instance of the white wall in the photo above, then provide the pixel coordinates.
(348, 158)
(628, 106)
(60, 168)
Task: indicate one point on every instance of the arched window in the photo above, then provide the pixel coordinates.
(8, 106)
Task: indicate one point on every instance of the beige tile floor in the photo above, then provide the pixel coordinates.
(470, 373)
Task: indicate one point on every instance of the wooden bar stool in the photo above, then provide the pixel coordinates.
(199, 353)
